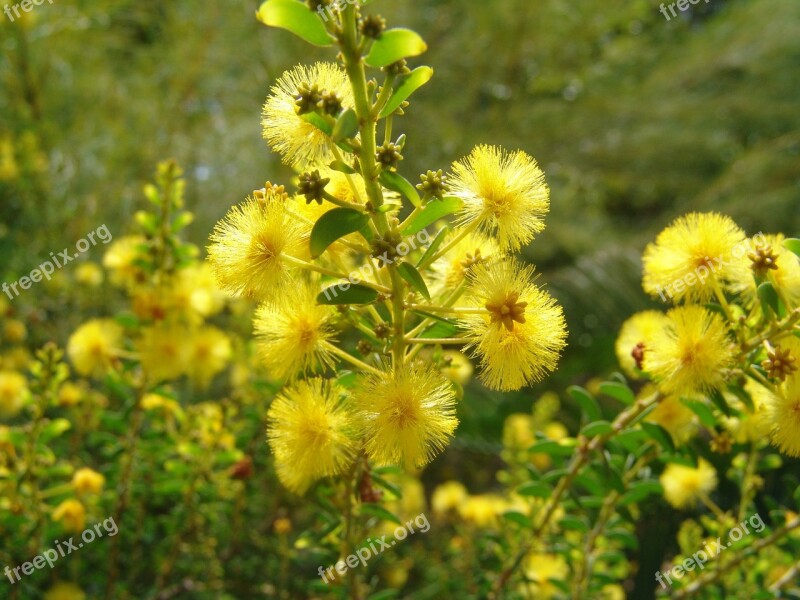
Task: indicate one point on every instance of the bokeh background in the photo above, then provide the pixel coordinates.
(634, 119)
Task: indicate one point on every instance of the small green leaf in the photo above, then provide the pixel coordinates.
(620, 391)
(405, 87)
(435, 244)
(719, 400)
(435, 210)
(394, 45)
(624, 537)
(587, 402)
(333, 225)
(573, 523)
(319, 122)
(342, 167)
(550, 447)
(375, 510)
(346, 126)
(296, 17)
(54, 429)
(347, 293)
(517, 517)
(792, 245)
(639, 491)
(412, 276)
(397, 183)
(769, 298)
(702, 411)
(597, 428)
(660, 435)
(537, 489)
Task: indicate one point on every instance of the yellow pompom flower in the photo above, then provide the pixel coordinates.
(674, 416)
(87, 481)
(309, 431)
(520, 337)
(691, 353)
(195, 292)
(300, 143)
(71, 514)
(250, 246)
(683, 486)
(13, 393)
(541, 570)
(692, 256)
(482, 510)
(504, 194)
(293, 332)
(448, 496)
(406, 415)
(456, 367)
(70, 394)
(65, 591)
(120, 260)
(89, 274)
(209, 353)
(94, 345)
(164, 351)
(634, 338)
(761, 251)
(779, 414)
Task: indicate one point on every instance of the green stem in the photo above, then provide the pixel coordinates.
(333, 349)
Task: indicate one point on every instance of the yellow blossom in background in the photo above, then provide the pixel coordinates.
(779, 412)
(120, 259)
(164, 351)
(13, 393)
(482, 510)
(300, 143)
(208, 354)
(448, 496)
(406, 416)
(674, 416)
(683, 485)
(635, 337)
(452, 269)
(691, 353)
(518, 432)
(195, 292)
(505, 195)
(65, 591)
(89, 274)
(94, 346)
(71, 514)
(157, 402)
(522, 336)
(309, 432)
(694, 254)
(294, 332)
(457, 367)
(70, 394)
(784, 275)
(541, 570)
(14, 331)
(252, 248)
(87, 481)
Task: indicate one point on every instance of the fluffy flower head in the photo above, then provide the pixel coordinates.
(94, 345)
(684, 485)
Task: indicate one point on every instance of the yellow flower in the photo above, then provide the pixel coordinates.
(785, 276)
(691, 353)
(482, 510)
(779, 414)
(634, 338)
(448, 496)
(120, 259)
(294, 332)
(70, 394)
(87, 481)
(684, 485)
(518, 432)
(504, 194)
(250, 246)
(89, 274)
(13, 393)
(692, 256)
(209, 353)
(93, 346)
(674, 416)
(523, 332)
(71, 514)
(300, 143)
(65, 591)
(309, 432)
(541, 570)
(457, 367)
(14, 331)
(195, 291)
(407, 415)
(167, 406)
(163, 351)
(452, 269)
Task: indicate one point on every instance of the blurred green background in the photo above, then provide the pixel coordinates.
(634, 119)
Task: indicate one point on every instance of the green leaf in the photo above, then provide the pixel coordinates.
(346, 126)
(382, 595)
(702, 411)
(386, 485)
(586, 401)
(639, 491)
(719, 400)
(620, 391)
(54, 429)
(394, 45)
(597, 428)
(435, 244)
(347, 293)
(573, 523)
(375, 510)
(624, 537)
(517, 517)
(792, 245)
(769, 298)
(550, 447)
(319, 122)
(397, 183)
(296, 17)
(333, 225)
(435, 210)
(537, 489)
(660, 435)
(342, 167)
(405, 87)
(412, 276)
